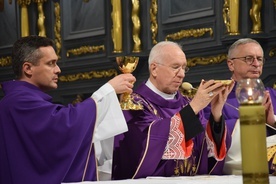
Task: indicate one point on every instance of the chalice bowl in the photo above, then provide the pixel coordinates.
(127, 64)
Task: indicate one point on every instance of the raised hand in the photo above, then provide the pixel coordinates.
(206, 91)
(268, 109)
(122, 83)
(218, 101)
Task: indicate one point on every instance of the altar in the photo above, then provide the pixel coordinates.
(206, 179)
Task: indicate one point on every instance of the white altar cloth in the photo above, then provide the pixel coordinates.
(206, 179)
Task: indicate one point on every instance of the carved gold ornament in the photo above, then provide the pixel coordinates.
(88, 75)
(136, 25)
(57, 30)
(206, 60)
(24, 17)
(84, 50)
(153, 20)
(6, 61)
(189, 33)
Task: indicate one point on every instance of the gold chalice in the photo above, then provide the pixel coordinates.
(127, 64)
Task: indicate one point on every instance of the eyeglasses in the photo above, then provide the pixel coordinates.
(250, 59)
(177, 68)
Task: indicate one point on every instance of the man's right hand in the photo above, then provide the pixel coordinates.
(122, 83)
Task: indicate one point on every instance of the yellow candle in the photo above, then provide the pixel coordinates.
(253, 144)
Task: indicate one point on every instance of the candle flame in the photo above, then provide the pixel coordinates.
(250, 94)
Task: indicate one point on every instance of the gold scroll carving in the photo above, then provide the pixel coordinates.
(136, 25)
(206, 60)
(231, 16)
(255, 14)
(41, 18)
(116, 31)
(153, 20)
(84, 50)
(226, 15)
(272, 52)
(24, 17)
(78, 99)
(88, 75)
(57, 29)
(189, 33)
(6, 61)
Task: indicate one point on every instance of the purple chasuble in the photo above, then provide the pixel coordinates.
(42, 142)
(138, 152)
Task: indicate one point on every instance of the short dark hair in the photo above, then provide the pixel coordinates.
(27, 49)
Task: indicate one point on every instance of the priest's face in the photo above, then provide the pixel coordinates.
(246, 61)
(168, 74)
(44, 74)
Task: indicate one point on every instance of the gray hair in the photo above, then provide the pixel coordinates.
(239, 42)
(27, 49)
(157, 52)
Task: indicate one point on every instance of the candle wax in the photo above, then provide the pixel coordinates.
(253, 143)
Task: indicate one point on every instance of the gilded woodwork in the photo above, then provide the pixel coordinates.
(274, 1)
(272, 52)
(6, 61)
(24, 17)
(84, 50)
(136, 25)
(41, 18)
(88, 75)
(231, 16)
(57, 30)
(116, 31)
(78, 99)
(255, 14)
(226, 16)
(206, 60)
(153, 20)
(189, 33)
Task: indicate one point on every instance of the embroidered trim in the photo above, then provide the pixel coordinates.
(145, 153)
(139, 98)
(176, 147)
(211, 147)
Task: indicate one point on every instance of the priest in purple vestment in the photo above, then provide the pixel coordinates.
(170, 136)
(245, 60)
(46, 143)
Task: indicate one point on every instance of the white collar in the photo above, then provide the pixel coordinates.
(164, 95)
